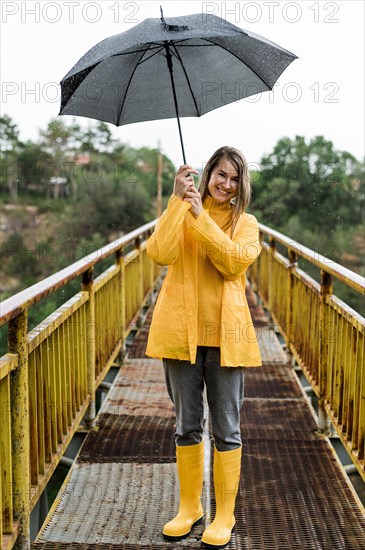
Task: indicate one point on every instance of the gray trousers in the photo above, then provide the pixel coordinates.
(224, 386)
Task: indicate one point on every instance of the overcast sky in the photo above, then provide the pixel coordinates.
(321, 93)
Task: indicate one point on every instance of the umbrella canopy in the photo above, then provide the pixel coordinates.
(178, 67)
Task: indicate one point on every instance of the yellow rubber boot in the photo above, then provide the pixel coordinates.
(190, 471)
(227, 469)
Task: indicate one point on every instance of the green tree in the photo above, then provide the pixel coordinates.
(96, 137)
(31, 161)
(109, 207)
(57, 145)
(56, 139)
(146, 160)
(313, 182)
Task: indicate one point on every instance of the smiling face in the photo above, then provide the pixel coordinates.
(223, 181)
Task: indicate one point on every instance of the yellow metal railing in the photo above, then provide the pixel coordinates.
(324, 335)
(49, 376)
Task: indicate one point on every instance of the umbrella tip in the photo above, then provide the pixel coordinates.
(172, 28)
(162, 18)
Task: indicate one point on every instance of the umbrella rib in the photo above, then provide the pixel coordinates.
(195, 45)
(187, 78)
(244, 62)
(127, 88)
(156, 46)
(157, 51)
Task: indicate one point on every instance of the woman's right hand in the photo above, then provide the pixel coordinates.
(183, 180)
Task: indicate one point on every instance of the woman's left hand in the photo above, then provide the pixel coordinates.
(193, 197)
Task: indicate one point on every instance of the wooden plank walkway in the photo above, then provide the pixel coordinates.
(293, 493)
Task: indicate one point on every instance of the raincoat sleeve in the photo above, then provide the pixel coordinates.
(230, 256)
(163, 245)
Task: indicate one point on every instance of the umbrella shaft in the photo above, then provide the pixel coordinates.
(169, 64)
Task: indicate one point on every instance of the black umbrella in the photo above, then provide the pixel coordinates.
(178, 67)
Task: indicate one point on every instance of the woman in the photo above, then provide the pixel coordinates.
(202, 329)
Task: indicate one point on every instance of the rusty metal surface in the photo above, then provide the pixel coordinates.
(293, 496)
(130, 439)
(138, 346)
(148, 317)
(134, 397)
(258, 315)
(271, 381)
(277, 419)
(270, 348)
(150, 370)
(118, 503)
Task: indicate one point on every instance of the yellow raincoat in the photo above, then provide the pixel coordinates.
(175, 242)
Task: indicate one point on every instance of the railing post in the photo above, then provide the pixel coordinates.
(152, 273)
(272, 244)
(119, 260)
(324, 423)
(293, 261)
(19, 398)
(258, 272)
(88, 286)
(137, 244)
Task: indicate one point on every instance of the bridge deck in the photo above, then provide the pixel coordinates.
(123, 487)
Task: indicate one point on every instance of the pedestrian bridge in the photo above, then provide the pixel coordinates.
(121, 488)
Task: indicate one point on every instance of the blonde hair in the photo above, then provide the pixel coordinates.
(242, 199)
